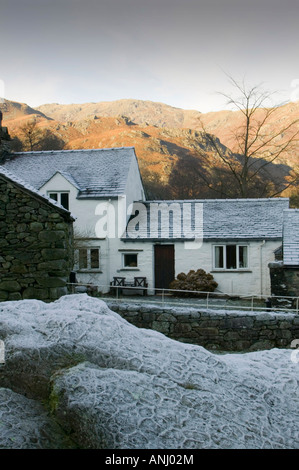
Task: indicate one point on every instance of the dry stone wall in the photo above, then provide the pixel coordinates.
(215, 330)
(35, 246)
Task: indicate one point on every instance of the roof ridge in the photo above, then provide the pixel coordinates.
(220, 200)
(72, 150)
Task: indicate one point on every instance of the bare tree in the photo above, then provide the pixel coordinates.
(200, 177)
(32, 135)
(35, 138)
(256, 147)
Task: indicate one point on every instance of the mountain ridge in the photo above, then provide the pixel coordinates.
(165, 138)
(139, 111)
(221, 123)
(14, 110)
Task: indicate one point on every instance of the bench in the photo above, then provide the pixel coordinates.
(141, 283)
(119, 284)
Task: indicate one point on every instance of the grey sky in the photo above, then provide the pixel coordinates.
(173, 51)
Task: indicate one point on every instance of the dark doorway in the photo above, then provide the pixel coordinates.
(164, 266)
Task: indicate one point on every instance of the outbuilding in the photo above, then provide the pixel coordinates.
(36, 242)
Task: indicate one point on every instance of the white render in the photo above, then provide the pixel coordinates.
(252, 281)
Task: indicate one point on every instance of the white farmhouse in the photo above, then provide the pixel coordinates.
(120, 234)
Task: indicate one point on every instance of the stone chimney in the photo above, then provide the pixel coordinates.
(4, 140)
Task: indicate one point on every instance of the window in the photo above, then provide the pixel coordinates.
(61, 197)
(130, 260)
(83, 259)
(230, 256)
(88, 259)
(94, 258)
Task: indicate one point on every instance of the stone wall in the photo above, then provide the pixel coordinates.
(35, 245)
(214, 330)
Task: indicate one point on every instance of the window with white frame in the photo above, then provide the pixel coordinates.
(130, 260)
(62, 197)
(230, 257)
(88, 259)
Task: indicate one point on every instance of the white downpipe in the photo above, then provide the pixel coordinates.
(261, 266)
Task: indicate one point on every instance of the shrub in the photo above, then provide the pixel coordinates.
(196, 281)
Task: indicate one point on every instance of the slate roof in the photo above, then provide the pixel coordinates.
(97, 173)
(223, 219)
(27, 187)
(291, 237)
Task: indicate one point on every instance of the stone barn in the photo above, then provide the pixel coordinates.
(36, 242)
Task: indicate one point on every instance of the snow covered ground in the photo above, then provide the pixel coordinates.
(113, 385)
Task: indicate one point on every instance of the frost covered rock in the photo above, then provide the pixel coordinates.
(118, 409)
(113, 385)
(24, 424)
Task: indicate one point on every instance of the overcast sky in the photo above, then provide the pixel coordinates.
(173, 51)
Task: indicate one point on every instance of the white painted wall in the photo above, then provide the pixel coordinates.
(83, 210)
(134, 189)
(255, 280)
(145, 267)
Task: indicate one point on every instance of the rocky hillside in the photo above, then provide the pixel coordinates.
(158, 148)
(138, 111)
(166, 139)
(222, 123)
(12, 110)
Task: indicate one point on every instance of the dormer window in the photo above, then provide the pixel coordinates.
(62, 197)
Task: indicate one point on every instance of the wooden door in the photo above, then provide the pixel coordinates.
(164, 266)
